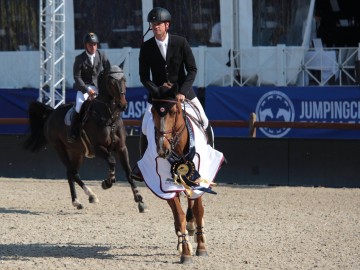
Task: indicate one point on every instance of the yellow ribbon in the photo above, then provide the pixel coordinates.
(188, 189)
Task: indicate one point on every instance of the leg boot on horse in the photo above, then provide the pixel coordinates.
(184, 246)
(74, 129)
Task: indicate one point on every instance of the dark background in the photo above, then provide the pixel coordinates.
(251, 161)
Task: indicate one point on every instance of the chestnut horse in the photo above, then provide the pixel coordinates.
(173, 145)
(102, 134)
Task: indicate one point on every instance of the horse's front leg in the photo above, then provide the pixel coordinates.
(184, 246)
(111, 179)
(199, 234)
(103, 152)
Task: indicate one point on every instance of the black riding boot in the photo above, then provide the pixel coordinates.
(143, 144)
(136, 173)
(73, 130)
(210, 135)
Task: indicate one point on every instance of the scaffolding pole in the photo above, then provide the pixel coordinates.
(52, 52)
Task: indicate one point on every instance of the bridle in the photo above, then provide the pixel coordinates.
(115, 89)
(111, 107)
(118, 84)
(175, 131)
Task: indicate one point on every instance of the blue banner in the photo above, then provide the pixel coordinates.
(291, 104)
(15, 102)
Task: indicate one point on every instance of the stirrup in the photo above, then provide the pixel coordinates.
(136, 174)
(71, 135)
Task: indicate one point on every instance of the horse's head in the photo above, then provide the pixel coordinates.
(114, 83)
(169, 124)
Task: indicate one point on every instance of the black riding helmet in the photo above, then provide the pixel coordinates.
(90, 38)
(159, 14)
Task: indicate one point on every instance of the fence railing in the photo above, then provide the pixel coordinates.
(251, 124)
(295, 66)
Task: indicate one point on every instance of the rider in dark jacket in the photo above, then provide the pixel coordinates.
(86, 69)
(166, 61)
(173, 66)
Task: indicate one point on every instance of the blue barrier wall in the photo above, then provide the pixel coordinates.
(300, 104)
(290, 104)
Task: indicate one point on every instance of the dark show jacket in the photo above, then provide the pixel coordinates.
(180, 65)
(85, 73)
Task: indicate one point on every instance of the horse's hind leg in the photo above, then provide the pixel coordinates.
(72, 165)
(73, 177)
(190, 219)
(74, 200)
(199, 234)
(88, 191)
(184, 246)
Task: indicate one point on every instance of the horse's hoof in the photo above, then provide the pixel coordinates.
(186, 259)
(77, 204)
(93, 199)
(142, 207)
(106, 185)
(202, 253)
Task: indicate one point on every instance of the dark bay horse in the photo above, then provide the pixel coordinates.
(102, 134)
(172, 138)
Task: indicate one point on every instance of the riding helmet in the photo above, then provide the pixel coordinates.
(90, 38)
(159, 14)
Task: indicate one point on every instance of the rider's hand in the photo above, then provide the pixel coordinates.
(167, 85)
(91, 92)
(180, 97)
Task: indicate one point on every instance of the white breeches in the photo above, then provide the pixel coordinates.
(80, 98)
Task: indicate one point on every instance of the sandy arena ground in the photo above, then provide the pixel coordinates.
(246, 228)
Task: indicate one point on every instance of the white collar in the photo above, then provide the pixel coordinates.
(90, 55)
(165, 41)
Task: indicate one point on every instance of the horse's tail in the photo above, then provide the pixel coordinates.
(38, 114)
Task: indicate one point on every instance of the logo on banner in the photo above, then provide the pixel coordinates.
(275, 106)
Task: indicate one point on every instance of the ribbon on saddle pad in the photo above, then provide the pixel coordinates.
(183, 169)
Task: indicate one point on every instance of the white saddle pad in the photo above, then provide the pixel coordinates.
(156, 170)
(68, 116)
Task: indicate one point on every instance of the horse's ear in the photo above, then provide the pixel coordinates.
(168, 93)
(122, 64)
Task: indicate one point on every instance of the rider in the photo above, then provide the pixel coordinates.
(86, 69)
(167, 68)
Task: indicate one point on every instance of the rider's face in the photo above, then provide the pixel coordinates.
(91, 47)
(159, 29)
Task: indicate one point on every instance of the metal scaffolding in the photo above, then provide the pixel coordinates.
(52, 52)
